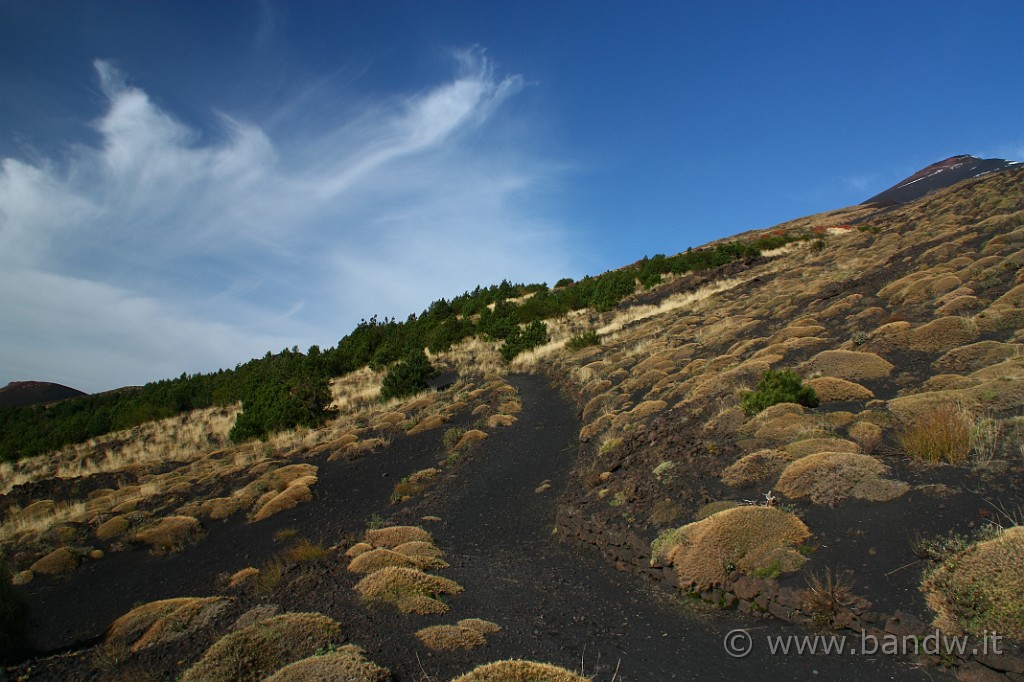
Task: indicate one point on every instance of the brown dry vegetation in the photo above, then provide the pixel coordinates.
(519, 671)
(892, 325)
(256, 651)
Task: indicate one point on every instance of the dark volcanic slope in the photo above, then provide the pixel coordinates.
(22, 393)
(939, 175)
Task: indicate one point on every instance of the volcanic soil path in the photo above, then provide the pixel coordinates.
(497, 509)
(560, 606)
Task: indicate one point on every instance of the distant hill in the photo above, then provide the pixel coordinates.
(938, 175)
(21, 393)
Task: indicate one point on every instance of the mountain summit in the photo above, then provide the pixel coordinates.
(21, 393)
(938, 175)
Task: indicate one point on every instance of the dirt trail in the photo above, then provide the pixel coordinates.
(555, 604)
(559, 606)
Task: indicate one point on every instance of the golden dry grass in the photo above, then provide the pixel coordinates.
(419, 548)
(162, 621)
(289, 498)
(519, 671)
(755, 467)
(376, 559)
(17, 525)
(480, 625)
(831, 389)
(450, 637)
(170, 534)
(345, 664)
(748, 539)
(409, 589)
(243, 576)
(853, 366)
(831, 477)
(392, 536)
(866, 434)
(944, 433)
(981, 589)
(60, 560)
(256, 651)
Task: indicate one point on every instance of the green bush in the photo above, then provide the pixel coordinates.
(13, 618)
(521, 340)
(784, 386)
(587, 338)
(407, 376)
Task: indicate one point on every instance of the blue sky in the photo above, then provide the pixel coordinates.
(186, 185)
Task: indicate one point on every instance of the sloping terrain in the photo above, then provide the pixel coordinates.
(19, 393)
(850, 515)
(938, 176)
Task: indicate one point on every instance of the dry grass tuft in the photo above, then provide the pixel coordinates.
(243, 576)
(170, 534)
(410, 589)
(943, 433)
(831, 477)
(59, 561)
(755, 468)
(825, 598)
(160, 622)
(418, 548)
(484, 626)
(256, 651)
(376, 559)
(519, 671)
(345, 664)
(357, 549)
(289, 498)
(832, 389)
(469, 438)
(854, 366)
(392, 536)
(981, 588)
(748, 539)
(450, 637)
(867, 435)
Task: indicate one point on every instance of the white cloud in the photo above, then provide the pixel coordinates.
(165, 249)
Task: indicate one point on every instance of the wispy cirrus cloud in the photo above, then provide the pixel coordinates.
(164, 248)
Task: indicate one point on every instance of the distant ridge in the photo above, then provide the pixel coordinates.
(22, 393)
(938, 175)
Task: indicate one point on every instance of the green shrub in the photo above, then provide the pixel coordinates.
(521, 340)
(407, 376)
(587, 338)
(784, 386)
(13, 618)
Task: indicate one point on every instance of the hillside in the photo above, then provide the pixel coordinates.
(615, 505)
(19, 393)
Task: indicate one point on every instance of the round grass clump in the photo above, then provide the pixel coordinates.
(418, 548)
(981, 588)
(171, 534)
(519, 671)
(831, 477)
(376, 559)
(755, 467)
(410, 589)
(480, 625)
(60, 560)
(752, 540)
(450, 637)
(346, 664)
(393, 536)
(161, 621)
(256, 651)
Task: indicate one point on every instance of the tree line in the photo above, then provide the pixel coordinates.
(290, 388)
